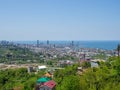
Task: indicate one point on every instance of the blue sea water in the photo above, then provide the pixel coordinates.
(109, 45)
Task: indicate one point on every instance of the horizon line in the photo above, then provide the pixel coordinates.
(56, 40)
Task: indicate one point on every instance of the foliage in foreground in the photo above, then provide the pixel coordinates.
(18, 79)
(106, 77)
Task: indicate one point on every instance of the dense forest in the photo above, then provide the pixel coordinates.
(106, 77)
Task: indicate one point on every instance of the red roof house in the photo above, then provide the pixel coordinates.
(50, 84)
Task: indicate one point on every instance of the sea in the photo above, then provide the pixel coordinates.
(107, 45)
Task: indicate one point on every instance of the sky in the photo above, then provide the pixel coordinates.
(59, 20)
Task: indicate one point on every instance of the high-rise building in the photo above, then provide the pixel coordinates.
(47, 42)
(37, 43)
(54, 45)
(72, 43)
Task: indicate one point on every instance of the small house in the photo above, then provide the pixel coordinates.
(50, 85)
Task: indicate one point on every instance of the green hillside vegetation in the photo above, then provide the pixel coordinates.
(13, 53)
(20, 78)
(106, 77)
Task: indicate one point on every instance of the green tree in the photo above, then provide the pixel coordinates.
(86, 64)
(70, 83)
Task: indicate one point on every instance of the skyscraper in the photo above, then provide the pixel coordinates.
(47, 42)
(37, 43)
(72, 43)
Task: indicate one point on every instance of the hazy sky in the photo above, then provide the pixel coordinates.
(60, 19)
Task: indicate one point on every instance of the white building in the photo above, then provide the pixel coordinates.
(42, 67)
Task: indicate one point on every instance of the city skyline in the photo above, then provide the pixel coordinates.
(59, 20)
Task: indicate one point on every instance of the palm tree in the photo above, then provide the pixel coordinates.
(118, 49)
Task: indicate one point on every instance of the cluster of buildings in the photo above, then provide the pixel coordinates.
(51, 52)
(45, 82)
